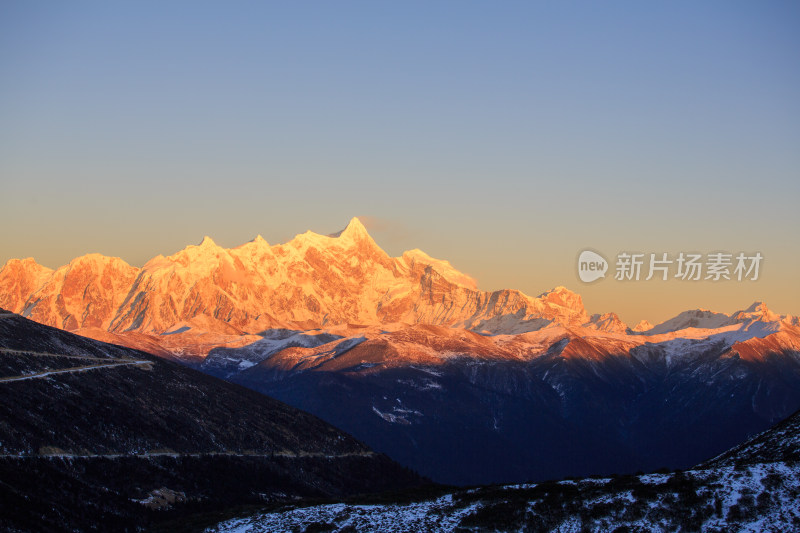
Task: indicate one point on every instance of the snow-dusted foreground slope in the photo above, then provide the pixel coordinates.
(753, 487)
(756, 498)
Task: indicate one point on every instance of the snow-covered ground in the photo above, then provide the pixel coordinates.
(760, 497)
(433, 515)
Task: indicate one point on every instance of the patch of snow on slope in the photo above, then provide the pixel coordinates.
(761, 497)
(435, 515)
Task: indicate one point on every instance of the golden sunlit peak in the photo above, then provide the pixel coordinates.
(207, 242)
(354, 228)
(557, 290)
(757, 306)
(26, 261)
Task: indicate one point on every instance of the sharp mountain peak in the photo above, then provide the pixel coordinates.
(353, 229)
(757, 306)
(207, 242)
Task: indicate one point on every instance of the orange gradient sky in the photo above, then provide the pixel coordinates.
(505, 139)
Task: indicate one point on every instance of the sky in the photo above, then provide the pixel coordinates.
(505, 137)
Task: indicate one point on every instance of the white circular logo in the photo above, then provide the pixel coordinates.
(591, 266)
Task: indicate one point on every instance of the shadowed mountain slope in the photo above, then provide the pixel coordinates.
(97, 435)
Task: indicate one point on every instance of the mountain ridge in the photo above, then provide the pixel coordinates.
(311, 281)
(205, 296)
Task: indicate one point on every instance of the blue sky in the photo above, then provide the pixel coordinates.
(505, 137)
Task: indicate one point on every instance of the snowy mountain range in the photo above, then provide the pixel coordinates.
(406, 354)
(465, 408)
(310, 282)
(206, 296)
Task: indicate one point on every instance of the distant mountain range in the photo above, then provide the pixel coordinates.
(406, 354)
(465, 408)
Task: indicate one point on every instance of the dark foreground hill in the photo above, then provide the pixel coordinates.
(752, 487)
(99, 437)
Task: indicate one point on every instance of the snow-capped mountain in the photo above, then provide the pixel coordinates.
(705, 319)
(608, 322)
(312, 281)
(405, 353)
